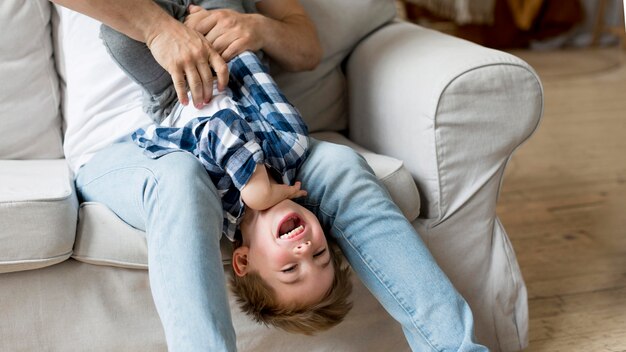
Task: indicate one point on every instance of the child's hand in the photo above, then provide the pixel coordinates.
(262, 192)
(288, 192)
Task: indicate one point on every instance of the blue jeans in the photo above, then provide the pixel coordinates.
(385, 251)
(173, 200)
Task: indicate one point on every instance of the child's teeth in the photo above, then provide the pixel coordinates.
(291, 233)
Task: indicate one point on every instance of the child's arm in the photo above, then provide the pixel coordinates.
(262, 192)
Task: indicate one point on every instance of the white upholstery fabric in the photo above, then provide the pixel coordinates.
(29, 89)
(102, 238)
(425, 99)
(37, 214)
(463, 110)
(75, 306)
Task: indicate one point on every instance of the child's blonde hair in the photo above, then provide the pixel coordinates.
(257, 299)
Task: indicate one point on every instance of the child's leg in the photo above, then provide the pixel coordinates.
(136, 60)
(384, 250)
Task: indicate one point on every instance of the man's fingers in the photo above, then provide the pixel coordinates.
(200, 20)
(194, 8)
(180, 85)
(188, 57)
(230, 44)
(195, 86)
(221, 70)
(234, 49)
(220, 42)
(207, 81)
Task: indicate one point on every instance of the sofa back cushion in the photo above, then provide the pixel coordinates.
(320, 95)
(30, 123)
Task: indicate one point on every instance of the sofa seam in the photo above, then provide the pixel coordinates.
(41, 200)
(38, 260)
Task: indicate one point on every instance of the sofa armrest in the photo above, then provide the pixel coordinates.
(452, 110)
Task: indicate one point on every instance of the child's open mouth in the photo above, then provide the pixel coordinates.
(291, 227)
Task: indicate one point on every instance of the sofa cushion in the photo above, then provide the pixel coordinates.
(38, 212)
(320, 95)
(102, 238)
(30, 124)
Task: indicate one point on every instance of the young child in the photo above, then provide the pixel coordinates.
(285, 272)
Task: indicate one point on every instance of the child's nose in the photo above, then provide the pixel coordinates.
(302, 247)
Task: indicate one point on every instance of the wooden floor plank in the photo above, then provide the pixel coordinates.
(563, 203)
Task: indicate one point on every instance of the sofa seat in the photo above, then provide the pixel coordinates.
(104, 239)
(38, 210)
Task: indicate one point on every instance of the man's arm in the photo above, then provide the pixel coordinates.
(282, 29)
(183, 52)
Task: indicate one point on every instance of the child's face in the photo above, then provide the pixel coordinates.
(285, 244)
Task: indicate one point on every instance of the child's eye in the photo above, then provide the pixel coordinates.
(319, 253)
(289, 269)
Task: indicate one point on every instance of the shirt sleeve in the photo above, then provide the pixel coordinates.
(158, 141)
(227, 144)
(278, 125)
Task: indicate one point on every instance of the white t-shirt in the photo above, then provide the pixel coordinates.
(185, 113)
(101, 105)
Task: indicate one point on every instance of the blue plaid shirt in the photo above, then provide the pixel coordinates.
(266, 129)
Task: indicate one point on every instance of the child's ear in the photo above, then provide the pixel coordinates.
(240, 261)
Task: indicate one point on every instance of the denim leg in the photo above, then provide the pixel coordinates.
(384, 250)
(175, 202)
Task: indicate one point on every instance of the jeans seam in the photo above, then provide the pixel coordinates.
(158, 240)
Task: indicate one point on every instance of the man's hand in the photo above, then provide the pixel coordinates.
(185, 54)
(281, 28)
(229, 32)
(188, 57)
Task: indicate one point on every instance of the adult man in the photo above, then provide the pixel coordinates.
(174, 201)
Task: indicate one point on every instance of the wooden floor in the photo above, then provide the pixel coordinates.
(563, 203)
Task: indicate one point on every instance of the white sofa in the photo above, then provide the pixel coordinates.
(73, 277)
